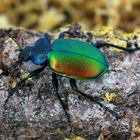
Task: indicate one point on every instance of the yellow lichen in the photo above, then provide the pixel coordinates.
(113, 98)
(75, 137)
(108, 97)
(58, 131)
(24, 75)
(11, 85)
(118, 42)
(14, 45)
(135, 127)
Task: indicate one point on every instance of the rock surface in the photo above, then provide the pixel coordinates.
(35, 112)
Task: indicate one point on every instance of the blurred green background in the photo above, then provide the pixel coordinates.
(51, 14)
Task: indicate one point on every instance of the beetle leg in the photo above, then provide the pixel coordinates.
(15, 89)
(94, 99)
(127, 49)
(55, 86)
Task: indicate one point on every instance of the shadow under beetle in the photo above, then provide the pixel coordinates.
(71, 58)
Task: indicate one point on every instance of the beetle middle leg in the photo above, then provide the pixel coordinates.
(55, 86)
(94, 99)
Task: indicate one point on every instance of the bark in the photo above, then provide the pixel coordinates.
(35, 112)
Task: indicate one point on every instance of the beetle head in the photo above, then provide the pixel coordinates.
(38, 52)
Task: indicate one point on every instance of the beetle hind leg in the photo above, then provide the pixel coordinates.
(97, 100)
(127, 49)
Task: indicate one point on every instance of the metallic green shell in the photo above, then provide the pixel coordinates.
(76, 59)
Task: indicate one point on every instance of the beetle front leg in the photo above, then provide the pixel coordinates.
(15, 89)
(97, 100)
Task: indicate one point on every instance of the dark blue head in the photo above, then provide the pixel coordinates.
(37, 53)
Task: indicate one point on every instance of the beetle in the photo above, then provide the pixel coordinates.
(71, 58)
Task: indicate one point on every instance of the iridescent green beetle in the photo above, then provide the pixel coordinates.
(71, 58)
(76, 59)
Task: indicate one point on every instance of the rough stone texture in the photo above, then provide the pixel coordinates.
(35, 113)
